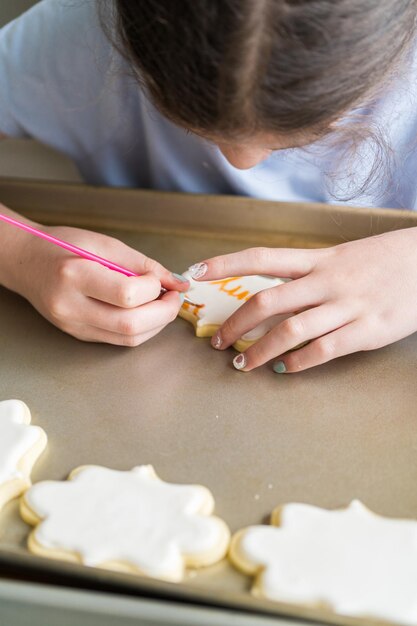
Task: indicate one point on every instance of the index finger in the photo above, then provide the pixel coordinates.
(128, 292)
(284, 262)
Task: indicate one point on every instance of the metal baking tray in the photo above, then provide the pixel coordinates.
(340, 431)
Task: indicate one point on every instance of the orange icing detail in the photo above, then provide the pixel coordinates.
(244, 295)
(193, 308)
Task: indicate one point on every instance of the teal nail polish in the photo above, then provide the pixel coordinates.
(179, 277)
(182, 296)
(279, 367)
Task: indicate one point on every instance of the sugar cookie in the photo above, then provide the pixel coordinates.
(20, 446)
(129, 521)
(351, 561)
(221, 298)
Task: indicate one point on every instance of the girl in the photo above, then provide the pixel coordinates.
(299, 100)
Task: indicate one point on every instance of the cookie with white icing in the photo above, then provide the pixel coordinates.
(219, 299)
(20, 446)
(129, 521)
(350, 561)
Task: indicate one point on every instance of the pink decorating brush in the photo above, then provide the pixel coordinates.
(75, 249)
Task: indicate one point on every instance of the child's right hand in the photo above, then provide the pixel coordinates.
(84, 298)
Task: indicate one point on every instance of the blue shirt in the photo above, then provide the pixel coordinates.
(63, 83)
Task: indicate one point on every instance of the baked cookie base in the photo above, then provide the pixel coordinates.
(193, 561)
(208, 330)
(15, 487)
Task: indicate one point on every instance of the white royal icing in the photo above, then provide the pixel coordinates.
(356, 562)
(221, 298)
(17, 437)
(127, 516)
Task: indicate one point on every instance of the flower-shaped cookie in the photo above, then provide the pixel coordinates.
(350, 561)
(20, 446)
(129, 521)
(218, 299)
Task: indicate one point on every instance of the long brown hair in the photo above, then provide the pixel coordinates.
(241, 66)
(233, 68)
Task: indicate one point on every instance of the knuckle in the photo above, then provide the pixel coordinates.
(57, 307)
(264, 300)
(126, 295)
(65, 270)
(151, 266)
(326, 348)
(293, 328)
(127, 327)
(260, 255)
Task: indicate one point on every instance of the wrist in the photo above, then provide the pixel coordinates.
(14, 246)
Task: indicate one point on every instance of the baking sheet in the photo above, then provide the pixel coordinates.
(340, 431)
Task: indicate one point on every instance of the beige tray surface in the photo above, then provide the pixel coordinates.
(340, 431)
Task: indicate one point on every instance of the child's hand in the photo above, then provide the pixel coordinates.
(355, 296)
(86, 299)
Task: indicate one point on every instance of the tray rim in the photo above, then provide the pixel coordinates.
(151, 211)
(100, 579)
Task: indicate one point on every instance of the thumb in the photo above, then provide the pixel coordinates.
(168, 280)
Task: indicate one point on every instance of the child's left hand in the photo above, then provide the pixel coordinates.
(354, 296)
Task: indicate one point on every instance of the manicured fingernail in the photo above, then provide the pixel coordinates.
(216, 341)
(198, 270)
(180, 278)
(279, 367)
(182, 296)
(240, 361)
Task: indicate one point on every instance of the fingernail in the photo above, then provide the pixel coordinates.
(198, 270)
(216, 341)
(279, 367)
(180, 278)
(182, 296)
(240, 361)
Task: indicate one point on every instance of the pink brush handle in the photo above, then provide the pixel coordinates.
(76, 250)
(68, 246)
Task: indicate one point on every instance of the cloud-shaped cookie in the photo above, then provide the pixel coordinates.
(126, 520)
(20, 446)
(349, 561)
(220, 298)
